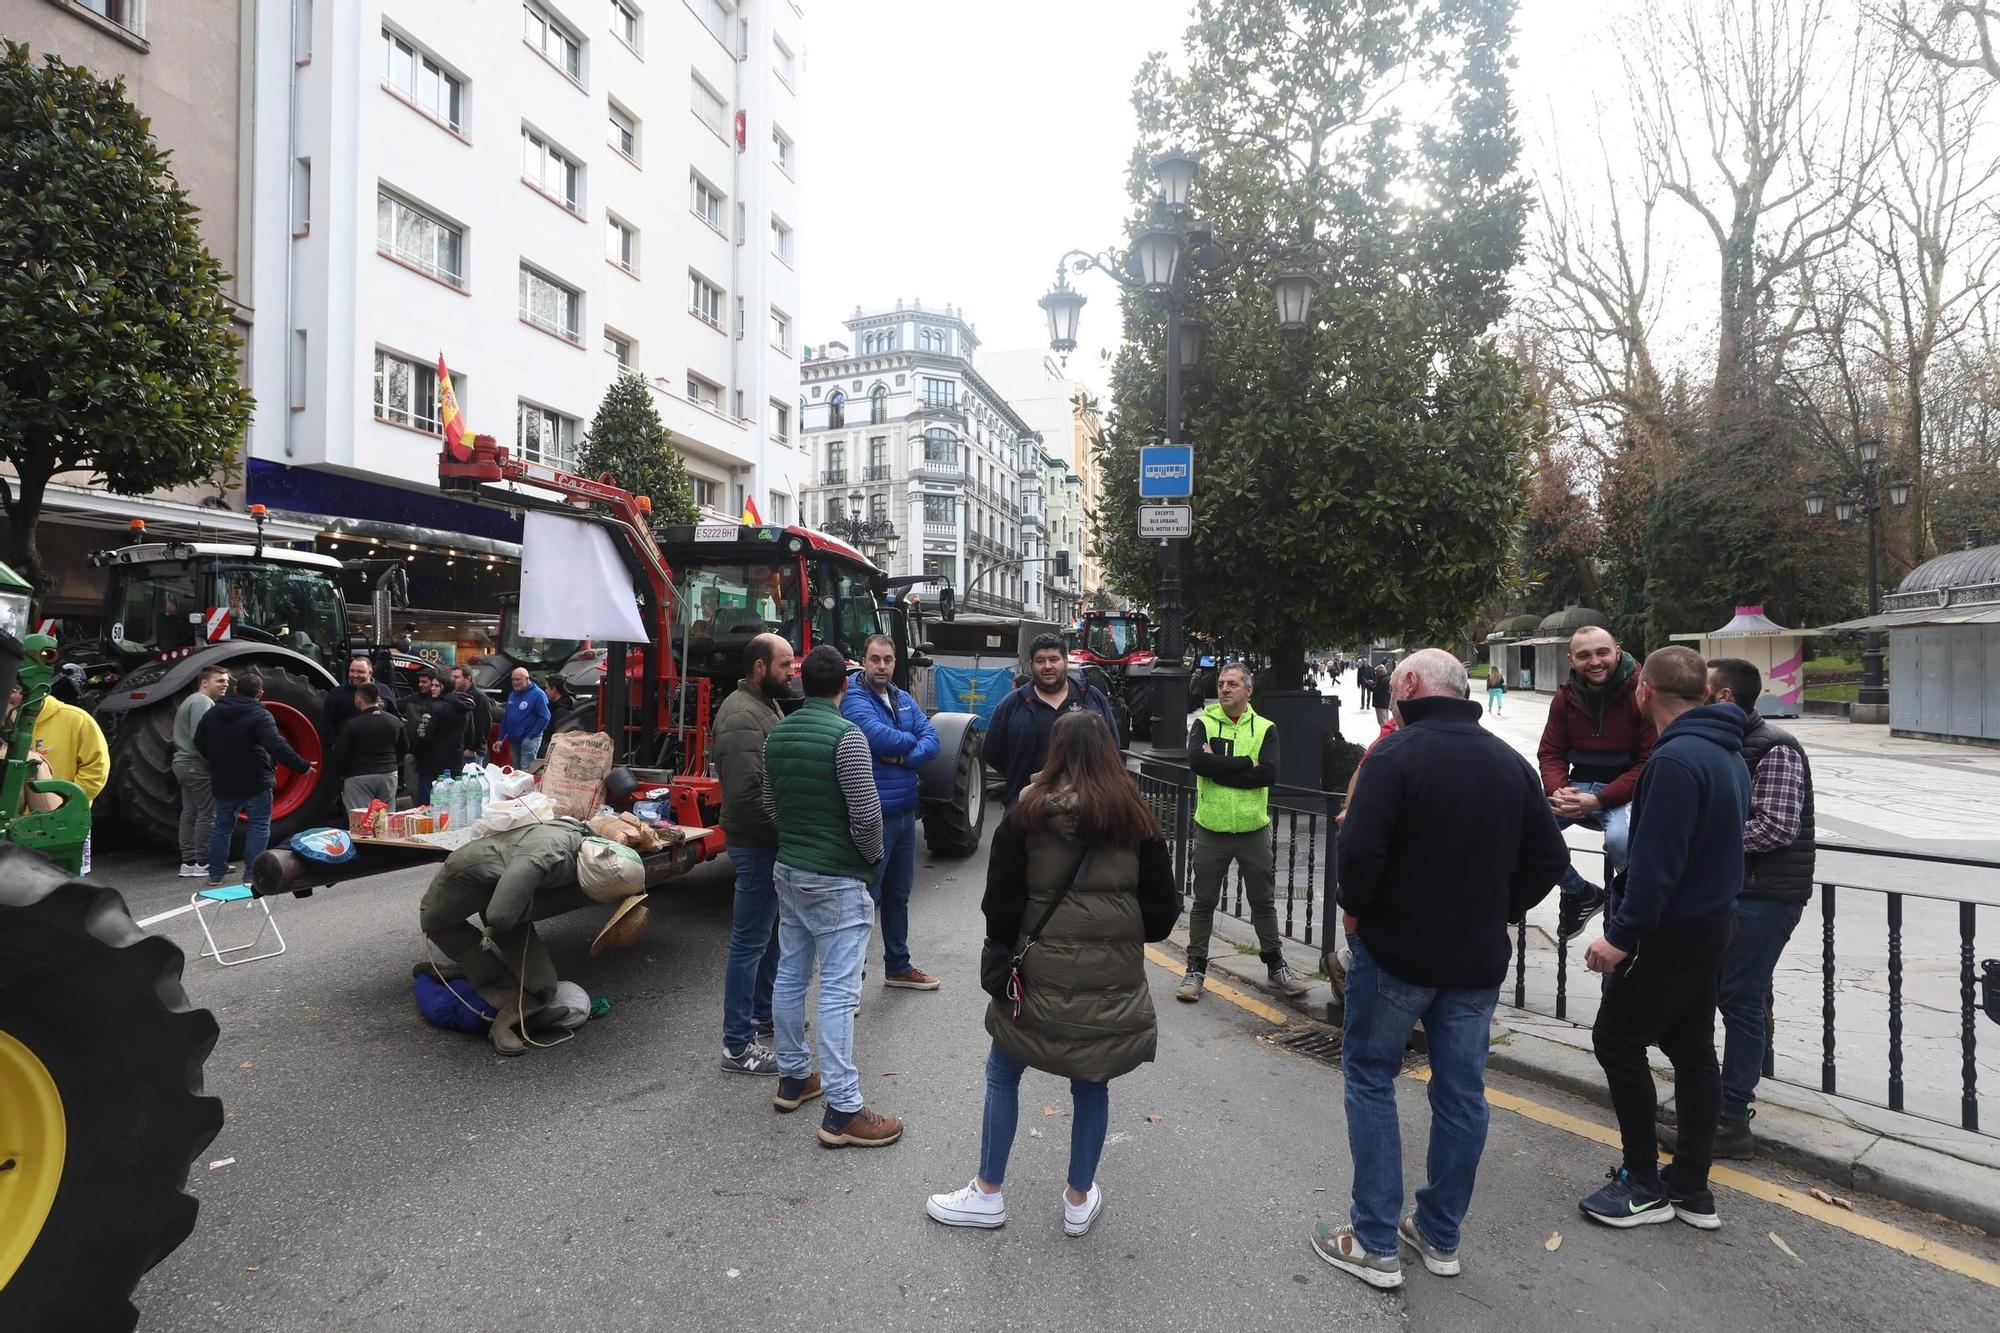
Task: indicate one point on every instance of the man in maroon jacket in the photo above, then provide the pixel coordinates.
(1594, 745)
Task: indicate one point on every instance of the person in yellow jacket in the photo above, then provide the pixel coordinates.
(67, 744)
(1234, 753)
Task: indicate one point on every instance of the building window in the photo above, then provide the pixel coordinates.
(704, 299)
(781, 422)
(705, 201)
(836, 464)
(933, 340)
(621, 243)
(302, 194)
(127, 14)
(558, 45)
(709, 105)
(705, 392)
(625, 23)
(940, 509)
(784, 62)
(781, 331)
(548, 304)
(878, 406)
(781, 508)
(939, 393)
(781, 240)
(836, 409)
(426, 85)
(714, 16)
(624, 133)
(878, 507)
(546, 437)
(552, 171)
(940, 446)
(781, 150)
(406, 391)
(707, 494)
(419, 238)
(878, 458)
(619, 346)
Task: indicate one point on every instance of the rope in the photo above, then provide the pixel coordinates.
(520, 993)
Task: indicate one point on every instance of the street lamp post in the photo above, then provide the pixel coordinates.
(852, 527)
(1157, 262)
(1862, 490)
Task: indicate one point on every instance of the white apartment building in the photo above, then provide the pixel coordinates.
(547, 192)
(1062, 412)
(897, 415)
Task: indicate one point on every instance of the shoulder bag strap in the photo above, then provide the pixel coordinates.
(1061, 894)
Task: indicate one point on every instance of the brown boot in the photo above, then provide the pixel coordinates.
(864, 1129)
(507, 1028)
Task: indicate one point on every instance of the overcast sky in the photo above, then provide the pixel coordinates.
(956, 149)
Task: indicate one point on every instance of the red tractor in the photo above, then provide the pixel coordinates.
(1117, 646)
(705, 591)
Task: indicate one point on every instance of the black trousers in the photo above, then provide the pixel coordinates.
(1664, 995)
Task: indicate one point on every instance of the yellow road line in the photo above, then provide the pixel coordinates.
(1868, 1228)
(1269, 1013)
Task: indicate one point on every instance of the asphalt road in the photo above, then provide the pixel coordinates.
(390, 1176)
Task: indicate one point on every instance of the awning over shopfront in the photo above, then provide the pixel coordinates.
(1942, 615)
(166, 520)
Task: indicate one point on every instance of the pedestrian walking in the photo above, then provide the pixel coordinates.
(1446, 840)
(239, 740)
(526, 718)
(1665, 934)
(1078, 881)
(197, 820)
(1364, 682)
(819, 788)
(1594, 747)
(901, 740)
(479, 735)
(1379, 695)
(1017, 738)
(1496, 689)
(1778, 855)
(741, 726)
(1233, 751)
(370, 751)
(440, 723)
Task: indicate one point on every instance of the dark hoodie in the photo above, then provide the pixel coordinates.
(239, 739)
(1686, 857)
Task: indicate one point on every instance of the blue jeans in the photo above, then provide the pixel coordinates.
(1762, 928)
(1089, 1118)
(823, 921)
(1381, 1011)
(255, 838)
(526, 750)
(753, 947)
(891, 889)
(1616, 826)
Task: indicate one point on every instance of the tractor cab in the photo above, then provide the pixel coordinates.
(168, 599)
(1114, 640)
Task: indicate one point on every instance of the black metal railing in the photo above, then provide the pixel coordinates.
(1905, 973)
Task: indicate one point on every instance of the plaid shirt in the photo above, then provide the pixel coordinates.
(1777, 799)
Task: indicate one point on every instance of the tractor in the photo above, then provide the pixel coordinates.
(579, 664)
(101, 1104)
(1114, 651)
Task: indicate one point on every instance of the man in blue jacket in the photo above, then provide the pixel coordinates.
(901, 740)
(1665, 934)
(524, 718)
(1017, 739)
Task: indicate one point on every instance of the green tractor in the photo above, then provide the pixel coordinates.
(101, 1105)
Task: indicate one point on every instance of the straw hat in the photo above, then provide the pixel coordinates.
(625, 926)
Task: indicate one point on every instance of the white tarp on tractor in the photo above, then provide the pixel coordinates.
(574, 586)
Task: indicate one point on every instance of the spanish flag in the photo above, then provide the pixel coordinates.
(455, 433)
(750, 515)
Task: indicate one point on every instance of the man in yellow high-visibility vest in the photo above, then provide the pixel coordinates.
(1234, 753)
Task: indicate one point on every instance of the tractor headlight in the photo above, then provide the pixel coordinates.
(14, 606)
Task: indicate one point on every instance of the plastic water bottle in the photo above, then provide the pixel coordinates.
(444, 794)
(472, 792)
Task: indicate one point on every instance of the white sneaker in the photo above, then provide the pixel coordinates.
(189, 869)
(1077, 1217)
(968, 1207)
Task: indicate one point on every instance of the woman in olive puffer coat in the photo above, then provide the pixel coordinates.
(1087, 1013)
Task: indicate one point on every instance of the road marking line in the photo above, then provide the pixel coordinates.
(1269, 1013)
(1868, 1228)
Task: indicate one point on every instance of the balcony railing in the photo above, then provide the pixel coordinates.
(878, 472)
(835, 476)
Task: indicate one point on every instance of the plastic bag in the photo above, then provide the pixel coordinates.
(514, 812)
(503, 783)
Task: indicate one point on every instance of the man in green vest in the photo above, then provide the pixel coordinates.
(1234, 754)
(819, 788)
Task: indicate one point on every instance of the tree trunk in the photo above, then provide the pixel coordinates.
(24, 510)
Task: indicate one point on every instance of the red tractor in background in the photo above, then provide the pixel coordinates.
(1114, 651)
(705, 590)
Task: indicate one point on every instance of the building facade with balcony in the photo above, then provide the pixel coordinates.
(1065, 414)
(548, 193)
(900, 424)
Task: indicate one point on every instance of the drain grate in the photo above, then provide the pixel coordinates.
(1315, 1043)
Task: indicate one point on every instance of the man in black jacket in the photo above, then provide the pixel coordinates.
(1665, 932)
(1446, 839)
(240, 740)
(1778, 854)
(370, 752)
(479, 726)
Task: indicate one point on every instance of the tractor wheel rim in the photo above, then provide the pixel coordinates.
(34, 1137)
(290, 790)
(975, 793)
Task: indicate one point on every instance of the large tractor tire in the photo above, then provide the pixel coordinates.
(145, 796)
(955, 827)
(101, 1105)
